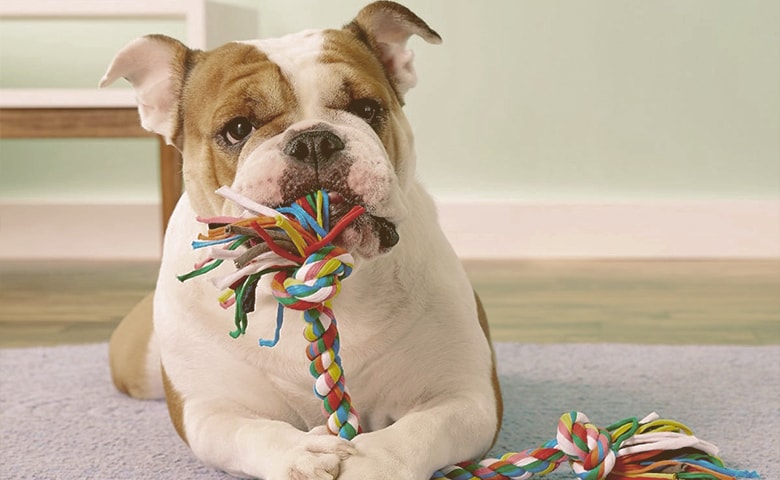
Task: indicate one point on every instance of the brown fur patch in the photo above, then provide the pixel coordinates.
(362, 76)
(128, 349)
(389, 22)
(175, 406)
(483, 322)
(235, 80)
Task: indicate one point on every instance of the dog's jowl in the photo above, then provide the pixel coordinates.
(274, 120)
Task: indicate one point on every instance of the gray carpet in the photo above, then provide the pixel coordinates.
(61, 418)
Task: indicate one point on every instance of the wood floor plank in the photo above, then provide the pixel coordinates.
(65, 302)
(540, 301)
(666, 302)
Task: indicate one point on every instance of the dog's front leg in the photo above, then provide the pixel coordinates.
(426, 439)
(261, 448)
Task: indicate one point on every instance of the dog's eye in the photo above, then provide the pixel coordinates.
(365, 108)
(237, 130)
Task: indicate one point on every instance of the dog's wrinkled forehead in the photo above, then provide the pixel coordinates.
(323, 65)
(280, 81)
(297, 57)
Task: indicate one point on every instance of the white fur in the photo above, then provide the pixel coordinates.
(154, 387)
(296, 56)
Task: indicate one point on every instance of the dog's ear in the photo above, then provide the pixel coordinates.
(155, 66)
(389, 26)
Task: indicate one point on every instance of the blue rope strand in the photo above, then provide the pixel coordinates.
(277, 332)
(208, 243)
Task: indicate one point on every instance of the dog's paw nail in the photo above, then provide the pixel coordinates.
(324, 475)
(346, 452)
(315, 467)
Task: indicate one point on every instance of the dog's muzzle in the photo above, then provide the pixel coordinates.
(318, 149)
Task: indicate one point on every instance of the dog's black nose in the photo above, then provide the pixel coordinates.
(314, 146)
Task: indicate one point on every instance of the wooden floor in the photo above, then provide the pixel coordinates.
(662, 302)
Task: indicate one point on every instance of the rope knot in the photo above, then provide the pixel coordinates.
(315, 282)
(588, 447)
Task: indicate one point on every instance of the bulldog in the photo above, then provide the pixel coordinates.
(275, 119)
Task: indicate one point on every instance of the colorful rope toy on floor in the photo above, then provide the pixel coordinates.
(295, 244)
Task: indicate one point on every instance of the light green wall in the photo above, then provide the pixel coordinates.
(79, 171)
(50, 53)
(551, 100)
(606, 100)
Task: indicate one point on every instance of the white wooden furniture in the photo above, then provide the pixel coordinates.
(94, 113)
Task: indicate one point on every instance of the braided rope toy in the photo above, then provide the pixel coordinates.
(295, 244)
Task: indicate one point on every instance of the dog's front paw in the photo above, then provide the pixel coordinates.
(362, 467)
(318, 457)
(373, 461)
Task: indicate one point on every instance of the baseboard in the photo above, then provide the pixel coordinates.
(94, 232)
(712, 229)
(477, 230)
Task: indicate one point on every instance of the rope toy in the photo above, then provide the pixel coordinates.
(294, 243)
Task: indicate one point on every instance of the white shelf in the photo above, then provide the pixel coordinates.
(192, 12)
(96, 8)
(67, 98)
(225, 23)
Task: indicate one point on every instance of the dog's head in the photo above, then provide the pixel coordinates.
(276, 119)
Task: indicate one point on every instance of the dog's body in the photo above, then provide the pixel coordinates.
(276, 119)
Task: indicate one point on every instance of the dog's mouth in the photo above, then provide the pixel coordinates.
(365, 231)
(366, 234)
